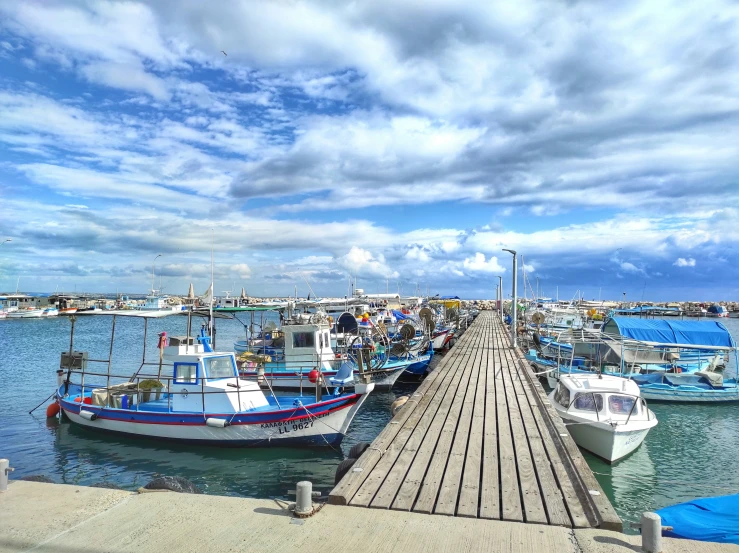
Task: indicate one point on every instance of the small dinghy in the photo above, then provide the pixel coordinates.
(604, 414)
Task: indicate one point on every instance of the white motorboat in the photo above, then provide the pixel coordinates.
(604, 414)
(26, 314)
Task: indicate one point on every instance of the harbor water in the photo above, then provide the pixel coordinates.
(691, 453)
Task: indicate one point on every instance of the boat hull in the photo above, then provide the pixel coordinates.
(312, 426)
(664, 393)
(611, 445)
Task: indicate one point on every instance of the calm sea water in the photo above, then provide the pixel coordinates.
(691, 453)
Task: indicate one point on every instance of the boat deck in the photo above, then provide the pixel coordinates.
(479, 439)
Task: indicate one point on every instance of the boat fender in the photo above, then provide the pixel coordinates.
(397, 405)
(88, 415)
(357, 449)
(52, 410)
(217, 423)
(342, 469)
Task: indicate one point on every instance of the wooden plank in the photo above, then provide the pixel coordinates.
(446, 502)
(554, 433)
(533, 506)
(395, 477)
(408, 491)
(435, 472)
(509, 490)
(490, 485)
(552, 495)
(596, 509)
(402, 446)
(469, 495)
(345, 490)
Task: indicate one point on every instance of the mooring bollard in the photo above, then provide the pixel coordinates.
(304, 498)
(5, 469)
(651, 532)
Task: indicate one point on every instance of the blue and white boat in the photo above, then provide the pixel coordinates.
(308, 347)
(200, 398)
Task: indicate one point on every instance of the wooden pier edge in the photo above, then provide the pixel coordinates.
(589, 491)
(482, 376)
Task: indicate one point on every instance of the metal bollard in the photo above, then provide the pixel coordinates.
(304, 498)
(5, 469)
(651, 532)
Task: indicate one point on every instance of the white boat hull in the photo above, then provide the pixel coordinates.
(299, 429)
(604, 441)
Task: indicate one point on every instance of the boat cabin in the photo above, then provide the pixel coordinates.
(14, 302)
(208, 381)
(308, 343)
(608, 397)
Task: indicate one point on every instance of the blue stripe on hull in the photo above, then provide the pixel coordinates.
(331, 440)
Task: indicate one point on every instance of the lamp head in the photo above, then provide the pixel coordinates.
(510, 251)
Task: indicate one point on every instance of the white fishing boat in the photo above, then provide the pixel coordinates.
(26, 314)
(197, 396)
(604, 414)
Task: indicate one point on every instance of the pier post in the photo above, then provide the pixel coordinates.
(304, 498)
(651, 533)
(5, 469)
(514, 311)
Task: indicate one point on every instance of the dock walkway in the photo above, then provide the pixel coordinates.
(479, 439)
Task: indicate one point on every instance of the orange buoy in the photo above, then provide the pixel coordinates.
(313, 376)
(52, 410)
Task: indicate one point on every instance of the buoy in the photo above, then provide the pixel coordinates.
(313, 376)
(53, 410)
(87, 400)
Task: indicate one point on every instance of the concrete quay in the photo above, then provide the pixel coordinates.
(65, 518)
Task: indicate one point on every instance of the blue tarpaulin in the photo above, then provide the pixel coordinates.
(696, 333)
(713, 519)
(399, 316)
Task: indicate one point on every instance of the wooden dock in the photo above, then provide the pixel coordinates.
(479, 439)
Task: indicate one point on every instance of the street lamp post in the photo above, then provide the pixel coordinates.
(6, 240)
(500, 298)
(514, 300)
(152, 272)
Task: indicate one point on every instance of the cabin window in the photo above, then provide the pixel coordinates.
(304, 340)
(562, 396)
(219, 367)
(185, 373)
(620, 405)
(584, 402)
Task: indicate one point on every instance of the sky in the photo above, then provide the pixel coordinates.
(401, 143)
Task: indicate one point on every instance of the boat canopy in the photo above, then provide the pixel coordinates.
(710, 334)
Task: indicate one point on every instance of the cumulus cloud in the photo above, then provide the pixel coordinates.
(362, 263)
(479, 264)
(321, 120)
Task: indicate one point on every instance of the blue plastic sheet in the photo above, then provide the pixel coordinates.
(697, 333)
(713, 519)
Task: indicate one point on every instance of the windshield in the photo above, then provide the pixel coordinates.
(621, 405)
(219, 367)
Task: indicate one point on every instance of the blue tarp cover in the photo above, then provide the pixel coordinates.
(696, 333)
(713, 519)
(400, 316)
